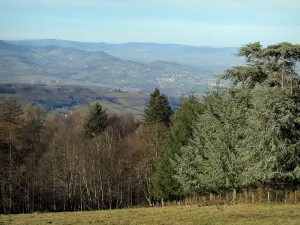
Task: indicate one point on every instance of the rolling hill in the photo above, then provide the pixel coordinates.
(52, 64)
(215, 60)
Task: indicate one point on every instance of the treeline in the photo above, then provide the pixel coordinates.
(236, 138)
(69, 163)
(76, 161)
(243, 137)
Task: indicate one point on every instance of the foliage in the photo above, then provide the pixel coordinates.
(158, 109)
(273, 65)
(210, 161)
(96, 121)
(181, 131)
(234, 138)
(48, 164)
(271, 144)
(248, 134)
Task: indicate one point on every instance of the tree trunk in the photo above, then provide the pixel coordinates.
(234, 196)
(253, 197)
(10, 171)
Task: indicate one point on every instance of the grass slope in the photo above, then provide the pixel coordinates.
(236, 214)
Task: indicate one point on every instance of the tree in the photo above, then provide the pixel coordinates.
(10, 112)
(181, 131)
(9, 117)
(59, 169)
(271, 146)
(270, 66)
(211, 161)
(32, 132)
(96, 121)
(158, 109)
(33, 127)
(150, 139)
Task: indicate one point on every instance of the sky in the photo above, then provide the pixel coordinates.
(219, 23)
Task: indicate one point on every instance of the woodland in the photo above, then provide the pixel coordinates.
(233, 139)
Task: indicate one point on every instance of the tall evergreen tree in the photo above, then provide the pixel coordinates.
(96, 121)
(271, 66)
(181, 131)
(211, 160)
(272, 138)
(270, 148)
(158, 109)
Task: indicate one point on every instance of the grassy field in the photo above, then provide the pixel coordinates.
(234, 214)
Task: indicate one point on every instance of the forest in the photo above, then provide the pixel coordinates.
(235, 139)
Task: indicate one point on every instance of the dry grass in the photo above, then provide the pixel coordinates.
(233, 214)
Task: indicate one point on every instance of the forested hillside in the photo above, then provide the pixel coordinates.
(65, 98)
(234, 140)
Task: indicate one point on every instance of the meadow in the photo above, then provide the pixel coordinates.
(222, 214)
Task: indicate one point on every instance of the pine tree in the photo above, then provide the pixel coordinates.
(271, 132)
(197, 169)
(158, 109)
(271, 66)
(96, 121)
(211, 161)
(271, 145)
(181, 131)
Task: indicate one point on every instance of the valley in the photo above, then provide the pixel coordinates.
(64, 65)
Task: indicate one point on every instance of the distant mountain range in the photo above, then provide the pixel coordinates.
(212, 59)
(64, 62)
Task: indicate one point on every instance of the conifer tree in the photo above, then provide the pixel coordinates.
(96, 121)
(181, 131)
(158, 109)
(271, 66)
(271, 146)
(211, 161)
(271, 131)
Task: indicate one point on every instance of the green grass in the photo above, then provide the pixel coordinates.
(233, 214)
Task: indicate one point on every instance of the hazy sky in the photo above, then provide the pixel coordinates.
(191, 22)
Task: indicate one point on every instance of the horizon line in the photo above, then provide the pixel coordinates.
(114, 43)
